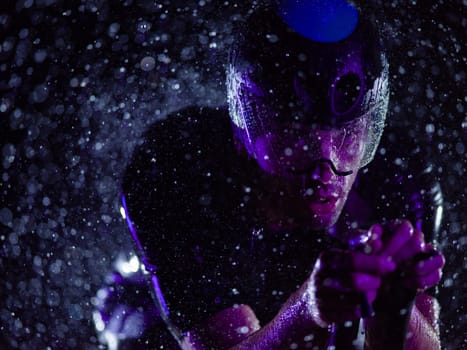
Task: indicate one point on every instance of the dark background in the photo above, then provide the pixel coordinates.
(76, 94)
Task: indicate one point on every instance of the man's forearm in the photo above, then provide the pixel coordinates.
(287, 328)
(422, 333)
(237, 328)
(389, 330)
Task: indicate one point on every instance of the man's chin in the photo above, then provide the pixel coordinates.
(322, 223)
(322, 219)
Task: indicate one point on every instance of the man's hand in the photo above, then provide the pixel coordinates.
(419, 265)
(342, 280)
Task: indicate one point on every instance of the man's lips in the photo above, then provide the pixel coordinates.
(326, 193)
(323, 200)
(323, 205)
(321, 193)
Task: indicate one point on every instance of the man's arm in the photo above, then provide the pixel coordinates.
(423, 330)
(332, 294)
(237, 328)
(398, 307)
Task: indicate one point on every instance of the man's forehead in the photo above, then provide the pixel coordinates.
(305, 65)
(316, 64)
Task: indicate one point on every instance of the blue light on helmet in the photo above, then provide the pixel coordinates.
(325, 21)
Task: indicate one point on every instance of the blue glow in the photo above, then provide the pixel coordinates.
(320, 20)
(147, 265)
(131, 227)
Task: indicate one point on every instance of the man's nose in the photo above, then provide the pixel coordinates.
(324, 138)
(322, 172)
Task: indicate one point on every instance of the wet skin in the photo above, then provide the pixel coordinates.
(332, 294)
(314, 195)
(394, 256)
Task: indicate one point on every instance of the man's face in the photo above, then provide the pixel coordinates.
(312, 135)
(311, 121)
(313, 193)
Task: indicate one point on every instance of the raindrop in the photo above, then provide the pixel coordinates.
(113, 30)
(40, 93)
(148, 63)
(6, 217)
(144, 26)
